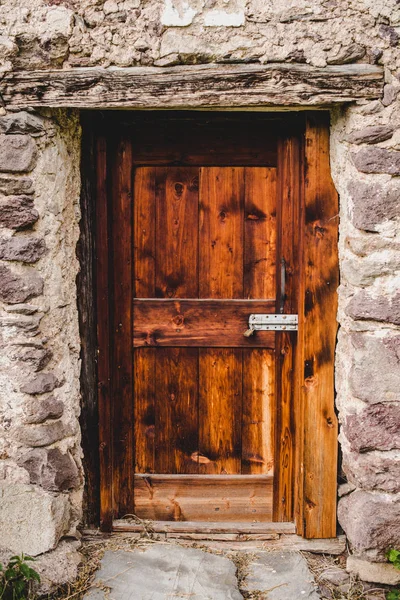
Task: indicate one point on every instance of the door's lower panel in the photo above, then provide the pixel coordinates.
(203, 497)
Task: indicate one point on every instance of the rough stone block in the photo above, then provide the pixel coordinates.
(381, 308)
(10, 186)
(373, 204)
(21, 122)
(38, 410)
(373, 572)
(390, 93)
(377, 160)
(51, 469)
(347, 54)
(375, 372)
(59, 566)
(42, 383)
(14, 324)
(32, 520)
(22, 248)
(371, 522)
(373, 470)
(371, 135)
(42, 434)
(15, 289)
(376, 427)
(18, 153)
(18, 212)
(36, 356)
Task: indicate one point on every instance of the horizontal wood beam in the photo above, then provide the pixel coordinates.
(198, 86)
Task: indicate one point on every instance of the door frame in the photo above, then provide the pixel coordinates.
(309, 472)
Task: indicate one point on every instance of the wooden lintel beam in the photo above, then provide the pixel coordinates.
(199, 86)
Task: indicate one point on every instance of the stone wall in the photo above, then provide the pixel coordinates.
(39, 181)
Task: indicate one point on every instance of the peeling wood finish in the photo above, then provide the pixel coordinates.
(197, 86)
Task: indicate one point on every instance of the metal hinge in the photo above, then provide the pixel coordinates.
(277, 322)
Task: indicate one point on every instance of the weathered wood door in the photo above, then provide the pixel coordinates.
(199, 226)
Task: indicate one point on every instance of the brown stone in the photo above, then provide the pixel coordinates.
(365, 307)
(25, 249)
(373, 470)
(390, 94)
(18, 153)
(51, 469)
(15, 289)
(371, 522)
(374, 573)
(373, 204)
(10, 186)
(347, 54)
(377, 160)
(18, 212)
(375, 372)
(376, 427)
(371, 135)
(39, 410)
(37, 357)
(42, 434)
(21, 122)
(42, 383)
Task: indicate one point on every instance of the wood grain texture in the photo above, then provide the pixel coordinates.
(177, 430)
(144, 364)
(221, 232)
(209, 527)
(258, 452)
(320, 280)
(220, 410)
(194, 86)
(103, 339)
(260, 233)
(199, 323)
(203, 497)
(122, 289)
(177, 206)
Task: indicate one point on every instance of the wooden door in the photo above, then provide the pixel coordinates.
(196, 220)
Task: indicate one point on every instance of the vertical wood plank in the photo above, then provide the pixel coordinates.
(220, 410)
(176, 410)
(260, 233)
(221, 232)
(287, 268)
(103, 339)
(144, 252)
(258, 411)
(122, 280)
(319, 282)
(177, 192)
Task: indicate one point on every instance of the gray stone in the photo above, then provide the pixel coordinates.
(18, 153)
(58, 567)
(390, 94)
(376, 427)
(381, 308)
(165, 571)
(22, 248)
(375, 372)
(21, 122)
(15, 289)
(282, 575)
(377, 160)
(42, 434)
(21, 309)
(28, 324)
(373, 470)
(373, 572)
(42, 383)
(18, 212)
(347, 54)
(38, 410)
(51, 469)
(371, 522)
(334, 575)
(37, 357)
(10, 186)
(373, 204)
(32, 520)
(371, 135)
